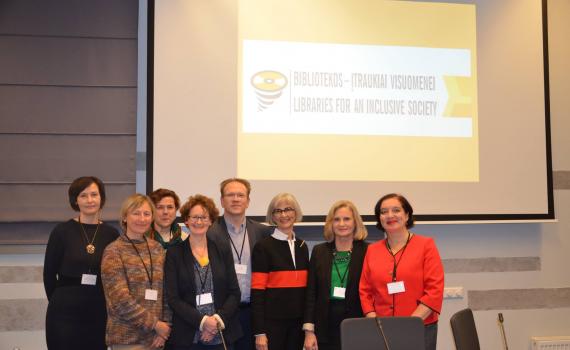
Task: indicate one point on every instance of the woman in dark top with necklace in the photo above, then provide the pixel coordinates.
(76, 314)
(334, 276)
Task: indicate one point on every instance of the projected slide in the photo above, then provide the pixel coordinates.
(314, 96)
(314, 89)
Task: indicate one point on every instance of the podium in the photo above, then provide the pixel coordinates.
(401, 333)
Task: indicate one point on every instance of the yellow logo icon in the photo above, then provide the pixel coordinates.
(268, 87)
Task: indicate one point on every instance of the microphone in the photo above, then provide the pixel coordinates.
(502, 330)
(381, 331)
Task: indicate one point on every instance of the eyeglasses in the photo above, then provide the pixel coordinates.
(238, 195)
(199, 218)
(287, 210)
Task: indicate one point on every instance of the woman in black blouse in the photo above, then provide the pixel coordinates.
(76, 314)
(279, 265)
(334, 276)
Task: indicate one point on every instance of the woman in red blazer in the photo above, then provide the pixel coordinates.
(402, 275)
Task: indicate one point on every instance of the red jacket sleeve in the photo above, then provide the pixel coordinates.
(433, 278)
(366, 288)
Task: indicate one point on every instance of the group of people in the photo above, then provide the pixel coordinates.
(230, 282)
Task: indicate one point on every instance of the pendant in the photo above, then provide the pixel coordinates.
(90, 249)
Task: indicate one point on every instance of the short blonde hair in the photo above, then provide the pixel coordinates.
(133, 202)
(287, 198)
(360, 231)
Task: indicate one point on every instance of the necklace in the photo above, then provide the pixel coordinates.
(90, 247)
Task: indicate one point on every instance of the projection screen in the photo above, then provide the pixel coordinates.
(444, 102)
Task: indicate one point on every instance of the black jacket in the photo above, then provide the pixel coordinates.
(180, 290)
(319, 285)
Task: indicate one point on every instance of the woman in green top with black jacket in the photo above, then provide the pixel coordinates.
(334, 276)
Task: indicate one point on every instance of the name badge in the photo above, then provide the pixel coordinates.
(204, 299)
(88, 279)
(241, 269)
(396, 287)
(151, 294)
(339, 292)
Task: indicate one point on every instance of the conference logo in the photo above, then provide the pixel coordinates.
(268, 86)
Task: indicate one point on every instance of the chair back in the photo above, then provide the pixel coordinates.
(464, 330)
(400, 333)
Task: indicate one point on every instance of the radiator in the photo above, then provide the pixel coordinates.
(551, 343)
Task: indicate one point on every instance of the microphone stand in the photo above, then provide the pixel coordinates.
(502, 329)
(381, 331)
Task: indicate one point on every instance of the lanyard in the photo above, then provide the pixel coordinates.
(337, 270)
(397, 262)
(149, 274)
(240, 254)
(202, 282)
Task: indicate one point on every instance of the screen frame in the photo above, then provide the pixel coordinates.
(422, 218)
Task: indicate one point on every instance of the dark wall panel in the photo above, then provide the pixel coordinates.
(94, 18)
(68, 61)
(68, 96)
(27, 232)
(55, 109)
(49, 158)
(45, 202)
(38, 232)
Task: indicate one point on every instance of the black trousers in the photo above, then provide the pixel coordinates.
(199, 347)
(430, 336)
(337, 313)
(285, 334)
(246, 342)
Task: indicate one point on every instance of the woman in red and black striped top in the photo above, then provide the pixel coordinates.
(279, 278)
